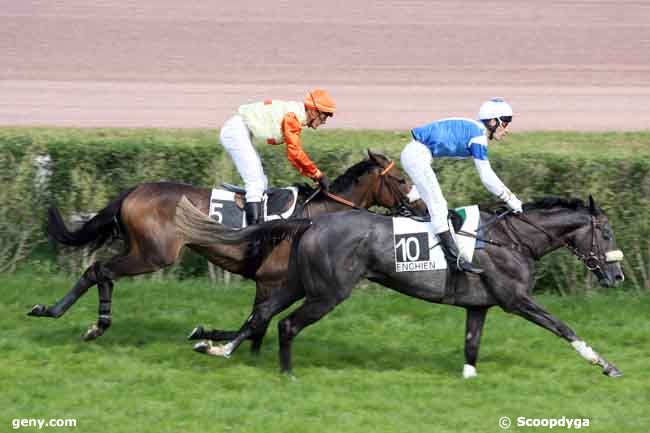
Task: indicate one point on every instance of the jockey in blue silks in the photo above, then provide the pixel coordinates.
(457, 138)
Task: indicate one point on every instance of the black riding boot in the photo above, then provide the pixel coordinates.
(455, 260)
(253, 212)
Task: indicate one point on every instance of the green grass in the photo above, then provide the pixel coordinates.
(380, 362)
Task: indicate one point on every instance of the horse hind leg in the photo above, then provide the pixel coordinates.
(254, 327)
(88, 279)
(119, 266)
(105, 289)
(200, 333)
(265, 311)
(257, 338)
(96, 274)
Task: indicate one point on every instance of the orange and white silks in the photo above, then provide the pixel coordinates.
(277, 122)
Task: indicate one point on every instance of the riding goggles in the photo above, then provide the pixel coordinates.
(504, 120)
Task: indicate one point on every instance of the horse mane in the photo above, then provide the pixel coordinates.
(551, 202)
(548, 202)
(352, 175)
(344, 181)
(304, 189)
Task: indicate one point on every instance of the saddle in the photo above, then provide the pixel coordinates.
(227, 204)
(453, 216)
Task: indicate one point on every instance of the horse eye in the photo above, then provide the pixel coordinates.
(401, 181)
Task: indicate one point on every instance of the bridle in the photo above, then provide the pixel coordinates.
(595, 259)
(402, 208)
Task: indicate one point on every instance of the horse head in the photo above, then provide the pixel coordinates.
(594, 243)
(583, 229)
(377, 181)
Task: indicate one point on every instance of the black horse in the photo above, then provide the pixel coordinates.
(331, 256)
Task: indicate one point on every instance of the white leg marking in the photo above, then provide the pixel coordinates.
(585, 351)
(221, 350)
(469, 371)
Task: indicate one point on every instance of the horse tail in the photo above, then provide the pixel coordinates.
(259, 240)
(96, 231)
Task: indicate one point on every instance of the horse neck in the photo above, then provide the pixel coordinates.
(359, 194)
(557, 222)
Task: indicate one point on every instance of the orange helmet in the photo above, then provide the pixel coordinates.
(320, 100)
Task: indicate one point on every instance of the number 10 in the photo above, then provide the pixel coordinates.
(405, 244)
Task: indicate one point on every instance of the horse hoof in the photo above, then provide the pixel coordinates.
(612, 371)
(38, 310)
(196, 334)
(93, 332)
(289, 375)
(469, 371)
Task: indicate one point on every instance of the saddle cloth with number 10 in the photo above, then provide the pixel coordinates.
(417, 249)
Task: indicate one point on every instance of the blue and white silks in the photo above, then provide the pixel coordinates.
(447, 138)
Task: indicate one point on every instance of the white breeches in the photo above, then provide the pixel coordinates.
(236, 139)
(416, 159)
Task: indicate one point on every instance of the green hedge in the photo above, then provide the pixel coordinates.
(89, 167)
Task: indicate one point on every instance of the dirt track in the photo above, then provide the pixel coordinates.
(581, 65)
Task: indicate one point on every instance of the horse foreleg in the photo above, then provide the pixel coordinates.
(473, 330)
(527, 308)
(87, 280)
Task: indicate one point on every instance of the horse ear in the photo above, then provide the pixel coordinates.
(377, 157)
(592, 205)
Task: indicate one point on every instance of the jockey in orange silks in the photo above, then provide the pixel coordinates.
(274, 122)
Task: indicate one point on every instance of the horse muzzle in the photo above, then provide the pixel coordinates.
(611, 274)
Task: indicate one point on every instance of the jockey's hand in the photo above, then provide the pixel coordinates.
(324, 183)
(515, 204)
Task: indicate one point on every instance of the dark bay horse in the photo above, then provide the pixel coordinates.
(144, 218)
(334, 253)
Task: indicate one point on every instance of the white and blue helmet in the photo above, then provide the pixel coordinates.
(495, 108)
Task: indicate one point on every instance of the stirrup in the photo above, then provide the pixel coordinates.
(463, 265)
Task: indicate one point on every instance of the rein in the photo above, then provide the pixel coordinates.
(592, 261)
(551, 237)
(341, 200)
(484, 227)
